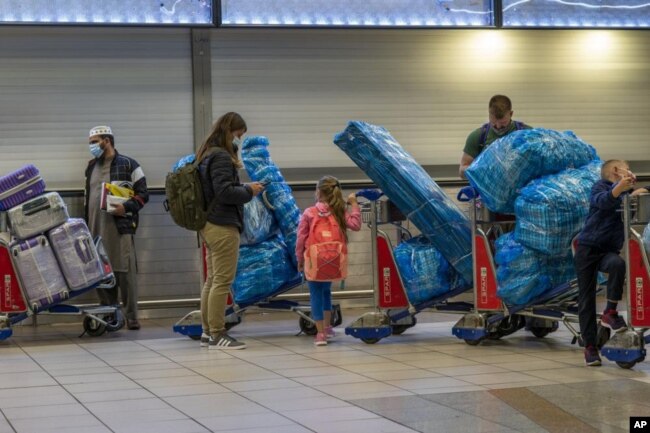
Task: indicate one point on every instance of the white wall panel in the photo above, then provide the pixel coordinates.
(57, 83)
(430, 88)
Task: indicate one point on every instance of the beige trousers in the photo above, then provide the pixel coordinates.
(222, 244)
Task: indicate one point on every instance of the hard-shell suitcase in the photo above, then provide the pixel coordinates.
(42, 280)
(20, 186)
(37, 215)
(75, 250)
(11, 297)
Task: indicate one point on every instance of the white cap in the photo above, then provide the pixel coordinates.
(100, 130)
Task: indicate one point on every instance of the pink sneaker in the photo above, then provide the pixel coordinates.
(320, 340)
(329, 333)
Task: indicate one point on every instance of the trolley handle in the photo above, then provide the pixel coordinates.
(467, 193)
(370, 194)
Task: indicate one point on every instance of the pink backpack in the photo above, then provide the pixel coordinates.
(326, 252)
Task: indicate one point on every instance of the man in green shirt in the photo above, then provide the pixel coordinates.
(500, 124)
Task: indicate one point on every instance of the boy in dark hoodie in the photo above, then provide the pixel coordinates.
(599, 246)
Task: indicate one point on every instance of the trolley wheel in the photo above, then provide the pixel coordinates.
(602, 337)
(337, 316)
(115, 322)
(540, 332)
(370, 340)
(626, 365)
(306, 326)
(474, 342)
(230, 325)
(195, 337)
(93, 327)
(400, 329)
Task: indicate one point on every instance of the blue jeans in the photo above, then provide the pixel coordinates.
(320, 293)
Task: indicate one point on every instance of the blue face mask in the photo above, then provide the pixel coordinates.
(96, 150)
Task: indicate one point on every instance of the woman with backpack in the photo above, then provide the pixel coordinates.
(321, 249)
(226, 195)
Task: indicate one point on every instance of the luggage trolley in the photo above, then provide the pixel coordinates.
(491, 318)
(628, 347)
(394, 313)
(191, 326)
(14, 307)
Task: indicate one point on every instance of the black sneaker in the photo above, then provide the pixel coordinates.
(205, 339)
(613, 321)
(225, 342)
(592, 358)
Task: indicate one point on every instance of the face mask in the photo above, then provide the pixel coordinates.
(236, 143)
(96, 150)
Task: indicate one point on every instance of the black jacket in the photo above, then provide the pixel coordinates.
(603, 228)
(220, 182)
(123, 169)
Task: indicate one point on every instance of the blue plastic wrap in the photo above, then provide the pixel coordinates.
(551, 210)
(261, 168)
(187, 159)
(507, 165)
(259, 224)
(262, 270)
(520, 272)
(425, 272)
(406, 183)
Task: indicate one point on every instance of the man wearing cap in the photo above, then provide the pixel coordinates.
(118, 223)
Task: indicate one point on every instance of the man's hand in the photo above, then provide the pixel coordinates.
(117, 210)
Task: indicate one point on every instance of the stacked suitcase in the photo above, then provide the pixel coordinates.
(54, 256)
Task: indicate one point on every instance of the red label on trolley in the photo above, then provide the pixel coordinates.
(639, 286)
(486, 282)
(391, 292)
(12, 298)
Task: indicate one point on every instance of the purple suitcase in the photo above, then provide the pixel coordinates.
(75, 250)
(20, 186)
(37, 215)
(42, 280)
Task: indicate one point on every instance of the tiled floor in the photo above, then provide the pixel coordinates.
(425, 380)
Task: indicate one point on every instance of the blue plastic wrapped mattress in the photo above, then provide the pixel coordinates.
(259, 224)
(551, 210)
(261, 168)
(262, 270)
(523, 274)
(425, 273)
(507, 165)
(406, 183)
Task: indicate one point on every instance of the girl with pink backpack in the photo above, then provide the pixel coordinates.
(322, 250)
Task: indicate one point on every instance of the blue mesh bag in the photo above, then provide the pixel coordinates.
(261, 168)
(259, 224)
(262, 269)
(551, 210)
(405, 182)
(507, 165)
(424, 271)
(520, 272)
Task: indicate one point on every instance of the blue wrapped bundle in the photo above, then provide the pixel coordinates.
(259, 224)
(561, 269)
(551, 210)
(262, 270)
(187, 159)
(406, 183)
(261, 168)
(521, 273)
(521, 156)
(425, 272)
